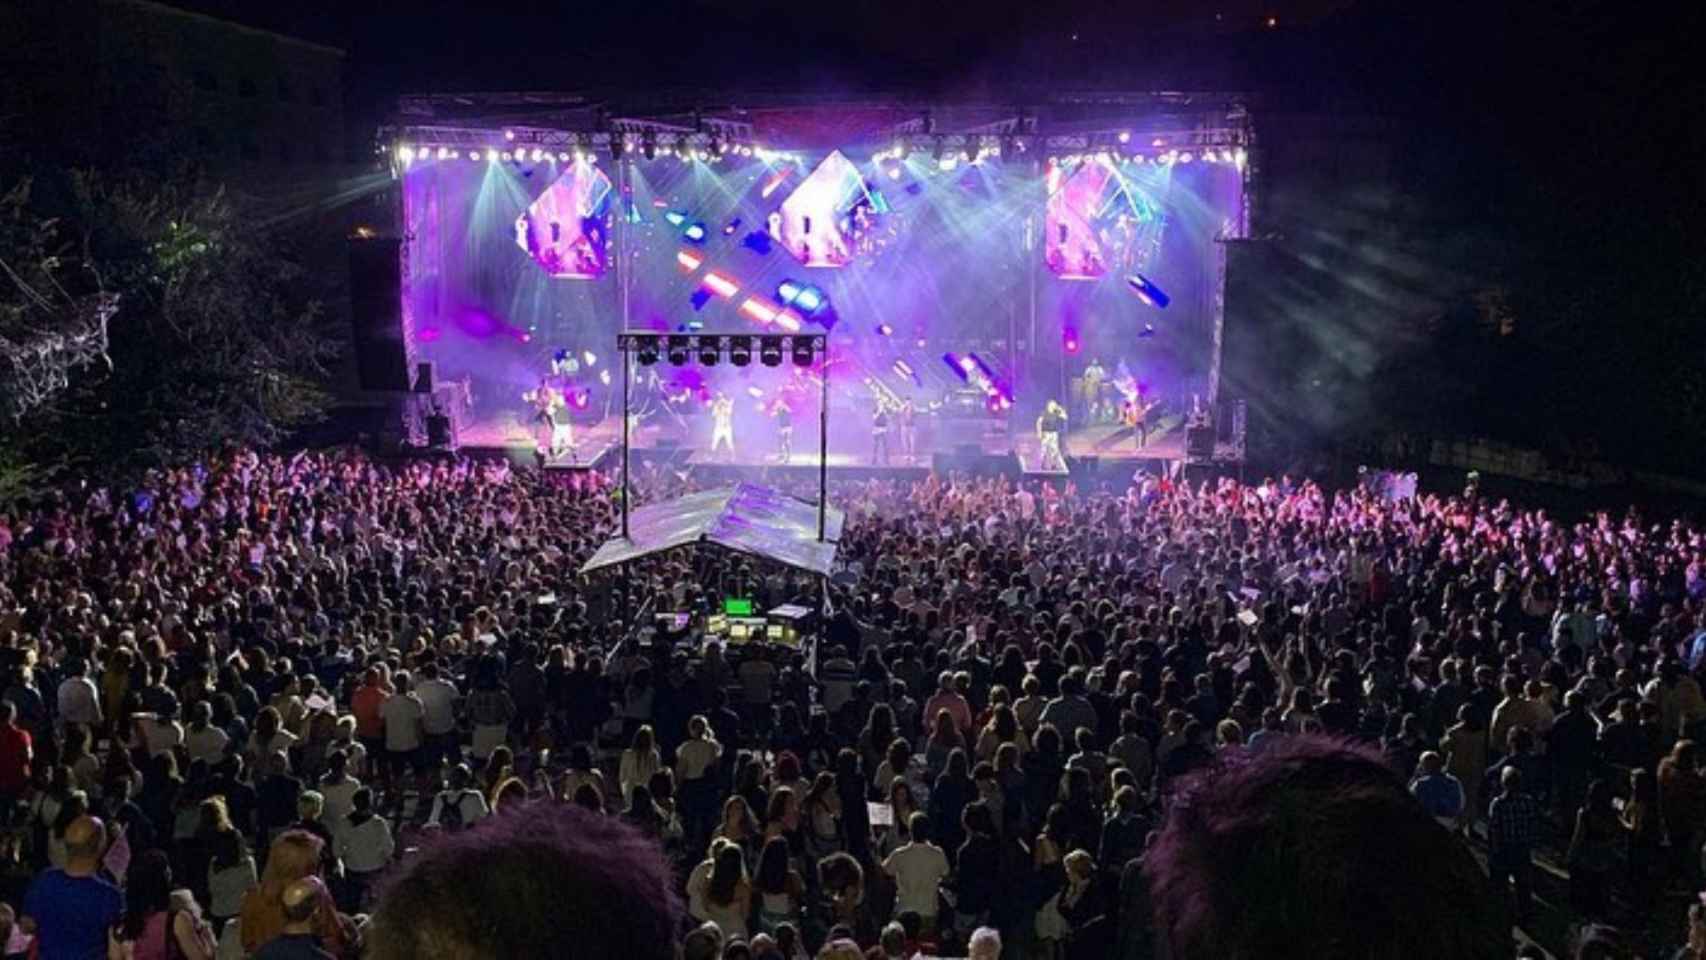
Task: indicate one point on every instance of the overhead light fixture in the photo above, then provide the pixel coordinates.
(678, 346)
(740, 351)
(647, 352)
(709, 353)
(803, 351)
(770, 351)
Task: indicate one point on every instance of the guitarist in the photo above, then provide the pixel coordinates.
(1135, 414)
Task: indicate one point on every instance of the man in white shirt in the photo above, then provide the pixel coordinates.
(402, 714)
(79, 701)
(918, 869)
(438, 719)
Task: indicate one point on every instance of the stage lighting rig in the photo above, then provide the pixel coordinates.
(678, 346)
(647, 353)
(770, 351)
(802, 352)
(709, 353)
(740, 351)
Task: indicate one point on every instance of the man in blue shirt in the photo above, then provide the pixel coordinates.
(71, 909)
(1439, 793)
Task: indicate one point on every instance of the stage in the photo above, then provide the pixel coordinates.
(750, 277)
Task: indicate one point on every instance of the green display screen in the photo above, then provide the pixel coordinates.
(737, 607)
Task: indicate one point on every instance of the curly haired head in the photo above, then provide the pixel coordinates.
(1314, 848)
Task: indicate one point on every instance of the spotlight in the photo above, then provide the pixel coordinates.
(740, 351)
(770, 351)
(809, 300)
(884, 330)
(708, 352)
(563, 156)
(1147, 331)
(444, 153)
(491, 155)
(505, 156)
(538, 154)
(802, 352)
(1186, 157)
(894, 173)
(604, 376)
(1147, 291)
(509, 134)
(678, 349)
(647, 353)
(406, 153)
(1069, 340)
(694, 233)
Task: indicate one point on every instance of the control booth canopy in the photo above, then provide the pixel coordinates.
(748, 518)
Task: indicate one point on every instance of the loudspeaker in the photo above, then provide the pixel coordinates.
(423, 377)
(376, 313)
(1199, 442)
(438, 430)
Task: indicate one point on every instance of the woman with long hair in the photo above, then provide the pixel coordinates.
(1593, 851)
(153, 928)
(500, 766)
(739, 826)
(639, 761)
(728, 894)
(897, 760)
(823, 814)
(294, 854)
(1003, 727)
(944, 739)
(875, 739)
(581, 772)
(1646, 840)
(779, 886)
(230, 872)
(902, 805)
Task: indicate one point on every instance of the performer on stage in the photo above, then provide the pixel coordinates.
(1136, 416)
(723, 424)
(908, 418)
(548, 406)
(1094, 377)
(880, 433)
(784, 430)
(1050, 426)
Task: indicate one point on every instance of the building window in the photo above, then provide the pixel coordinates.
(246, 88)
(205, 80)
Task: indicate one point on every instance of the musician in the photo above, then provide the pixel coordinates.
(1135, 413)
(1050, 426)
(880, 433)
(1094, 377)
(784, 430)
(723, 424)
(908, 418)
(548, 405)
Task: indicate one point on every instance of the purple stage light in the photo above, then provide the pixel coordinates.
(699, 298)
(955, 365)
(1069, 340)
(884, 330)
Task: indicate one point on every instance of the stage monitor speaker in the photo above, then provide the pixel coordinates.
(376, 313)
(423, 377)
(1199, 442)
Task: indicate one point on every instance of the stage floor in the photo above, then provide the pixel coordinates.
(1105, 443)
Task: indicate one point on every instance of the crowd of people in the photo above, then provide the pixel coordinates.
(304, 706)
